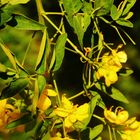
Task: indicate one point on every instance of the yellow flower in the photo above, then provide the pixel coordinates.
(72, 113)
(44, 101)
(119, 117)
(109, 66)
(132, 131)
(8, 113)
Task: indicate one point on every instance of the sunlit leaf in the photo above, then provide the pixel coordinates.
(124, 22)
(2, 68)
(92, 105)
(94, 132)
(72, 6)
(43, 52)
(129, 5)
(78, 29)
(59, 51)
(52, 61)
(23, 120)
(14, 87)
(80, 24)
(129, 15)
(104, 6)
(9, 54)
(115, 13)
(24, 23)
(14, 2)
(87, 7)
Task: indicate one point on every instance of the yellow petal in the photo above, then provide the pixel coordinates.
(122, 56)
(61, 112)
(44, 102)
(110, 78)
(51, 92)
(66, 103)
(110, 116)
(2, 105)
(82, 112)
(72, 118)
(68, 123)
(122, 117)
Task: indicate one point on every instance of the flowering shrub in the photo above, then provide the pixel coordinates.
(31, 99)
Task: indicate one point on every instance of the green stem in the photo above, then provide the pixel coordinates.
(82, 92)
(77, 95)
(54, 13)
(40, 10)
(71, 43)
(110, 133)
(99, 118)
(109, 23)
(128, 36)
(58, 95)
(114, 134)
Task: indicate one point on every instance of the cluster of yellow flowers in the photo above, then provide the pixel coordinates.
(131, 127)
(72, 113)
(110, 64)
(8, 113)
(67, 112)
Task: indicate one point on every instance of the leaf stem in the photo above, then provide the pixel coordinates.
(40, 10)
(71, 43)
(110, 134)
(56, 89)
(114, 134)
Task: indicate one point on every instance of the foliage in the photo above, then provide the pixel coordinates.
(31, 99)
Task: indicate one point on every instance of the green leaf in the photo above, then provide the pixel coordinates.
(115, 13)
(104, 6)
(72, 6)
(112, 92)
(23, 120)
(100, 101)
(60, 51)
(117, 95)
(126, 72)
(41, 80)
(24, 23)
(92, 105)
(6, 13)
(129, 5)
(87, 7)
(35, 97)
(78, 29)
(43, 53)
(94, 132)
(47, 136)
(3, 68)
(14, 87)
(10, 55)
(123, 22)
(14, 2)
(80, 24)
(129, 15)
(52, 61)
